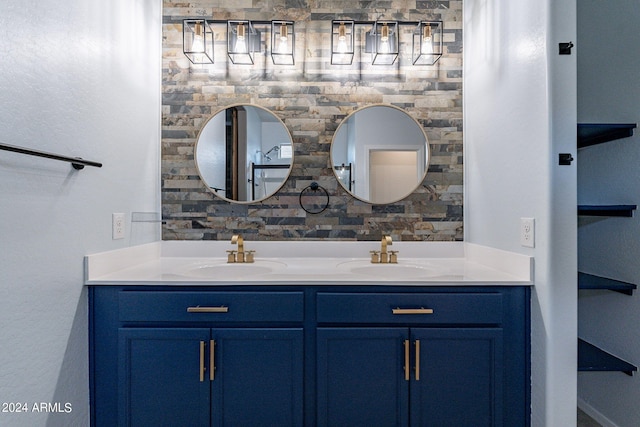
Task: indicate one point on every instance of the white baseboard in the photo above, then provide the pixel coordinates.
(595, 414)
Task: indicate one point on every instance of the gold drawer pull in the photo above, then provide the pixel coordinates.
(417, 360)
(420, 310)
(212, 360)
(202, 368)
(406, 361)
(199, 309)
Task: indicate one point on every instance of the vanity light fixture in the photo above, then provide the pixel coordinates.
(197, 41)
(283, 44)
(427, 43)
(342, 42)
(382, 42)
(243, 40)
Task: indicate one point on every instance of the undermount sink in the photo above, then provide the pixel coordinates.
(222, 270)
(397, 271)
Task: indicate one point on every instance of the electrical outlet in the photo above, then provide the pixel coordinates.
(527, 232)
(117, 226)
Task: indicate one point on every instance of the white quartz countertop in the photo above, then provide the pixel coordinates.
(179, 263)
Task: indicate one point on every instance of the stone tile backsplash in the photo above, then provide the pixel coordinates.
(312, 98)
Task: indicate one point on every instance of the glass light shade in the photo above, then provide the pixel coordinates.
(197, 41)
(342, 42)
(243, 40)
(382, 42)
(283, 43)
(427, 43)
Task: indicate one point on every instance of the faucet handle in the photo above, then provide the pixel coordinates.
(393, 257)
(231, 258)
(248, 256)
(375, 257)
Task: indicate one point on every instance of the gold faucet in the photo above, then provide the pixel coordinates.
(240, 255)
(384, 256)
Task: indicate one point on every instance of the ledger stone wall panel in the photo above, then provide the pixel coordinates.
(312, 97)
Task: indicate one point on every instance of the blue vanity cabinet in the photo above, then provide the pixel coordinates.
(258, 377)
(325, 355)
(158, 375)
(417, 377)
(459, 381)
(196, 358)
(423, 359)
(360, 377)
(200, 377)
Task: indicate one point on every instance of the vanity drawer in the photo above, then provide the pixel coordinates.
(161, 306)
(428, 308)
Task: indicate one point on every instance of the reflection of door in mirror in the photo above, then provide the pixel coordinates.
(232, 126)
(236, 185)
(391, 173)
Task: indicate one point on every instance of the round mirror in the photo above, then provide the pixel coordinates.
(380, 154)
(244, 153)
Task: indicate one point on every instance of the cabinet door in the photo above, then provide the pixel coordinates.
(258, 377)
(361, 378)
(459, 381)
(159, 377)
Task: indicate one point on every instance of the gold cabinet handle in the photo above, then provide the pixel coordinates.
(198, 309)
(202, 344)
(420, 310)
(417, 366)
(406, 361)
(212, 360)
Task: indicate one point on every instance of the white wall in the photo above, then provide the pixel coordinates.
(79, 78)
(520, 113)
(608, 92)
(90, 88)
